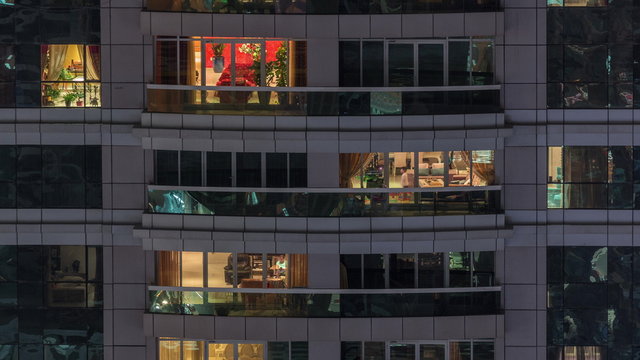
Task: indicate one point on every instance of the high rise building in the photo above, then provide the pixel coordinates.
(319, 179)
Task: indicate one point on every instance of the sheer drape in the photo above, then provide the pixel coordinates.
(350, 166)
(55, 62)
(168, 268)
(92, 63)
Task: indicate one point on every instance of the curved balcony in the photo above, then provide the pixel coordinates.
(323, 101)
(321, 7)
(322, 202)
(325, 303)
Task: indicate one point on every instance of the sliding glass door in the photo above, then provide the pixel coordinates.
(418, 351)
(416, 63)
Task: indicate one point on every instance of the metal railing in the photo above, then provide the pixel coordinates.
(324, 202)
(323, 101)
(325, 303)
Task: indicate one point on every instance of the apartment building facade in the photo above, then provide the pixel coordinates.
(318, 179)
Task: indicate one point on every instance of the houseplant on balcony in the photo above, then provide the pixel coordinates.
(51, 93)
(278, 71)
(218, 58)
(255, 50)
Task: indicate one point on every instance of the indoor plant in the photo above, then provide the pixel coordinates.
(278, 71)
(79, 96)
(51, 94)
(218, 58)
(69, 97)
(255, 50)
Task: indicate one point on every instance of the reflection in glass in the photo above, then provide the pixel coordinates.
(401, 65)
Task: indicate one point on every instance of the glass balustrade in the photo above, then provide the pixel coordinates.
(323, 6)
(309, 204)
(302, 103)
(325, 305)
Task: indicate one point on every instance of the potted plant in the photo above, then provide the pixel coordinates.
(51, 94)
(244, 77)
(69, 97)
(218, 58)
(255, 50)
(278, 71)
(79, 97)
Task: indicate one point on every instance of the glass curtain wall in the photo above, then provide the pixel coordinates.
(227, 270)
(480, 349)
(591, 49)
(406, 63)
(249, 62)
(216, 169)
(177, 349)
(593, 177)
(398, 169)
(592, 299)
(424, 270)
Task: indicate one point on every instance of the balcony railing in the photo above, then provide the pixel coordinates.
(324, 202)
(323, 6)
(325, 303)
(323, 101)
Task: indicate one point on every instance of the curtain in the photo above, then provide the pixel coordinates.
(350, 166)
(92, 63)
(483, 174)
(168, 268)
(56, 55)
(298, 273)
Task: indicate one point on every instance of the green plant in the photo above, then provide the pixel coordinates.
(69, 97)
(255, 50)
(278, 69)
(218, 49)
(52, 92)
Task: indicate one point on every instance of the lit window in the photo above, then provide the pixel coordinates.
(70, 75)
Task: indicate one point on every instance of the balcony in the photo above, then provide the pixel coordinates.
(323, 101)
(325, 303)
(321, 7)
(378, 202)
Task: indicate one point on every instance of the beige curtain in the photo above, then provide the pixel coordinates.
(56, 55)
(298, 273)
(350, 166)
(168, 268)
(483, 174)
(91, 64)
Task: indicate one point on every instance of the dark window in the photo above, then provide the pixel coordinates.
(350, 63)
(190, 168)
(401, 65)
(459, 63)
(372, 63)
(351, 271)
(298, 170)
(219, 169)
(248, 170)
(167, 167)
(277, 170)
(401, 271)
(374, 272)
(431, 270)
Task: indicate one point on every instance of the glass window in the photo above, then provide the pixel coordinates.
(193, 350)
(219, 169)
(277, 350)
(192, 269)
(431, 169)
(351, 350)
(350, 63)
(298, 170)
(220, 270)
(483, 268)
(460, 168)
(431, 270)
(399, 351)
(299, 350)
(276, 170)
(167, 167)
(431, 65)
(402, 271)
(401, 170)
(401, 65)
(460, 350)
(374, 271)
(372, 63)
(169, 349)
(190, 168)
(459, 269)
(66, 73)
(459, 59)
(248, 170)
(374, 350)
(351, 271)
(585, 264)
